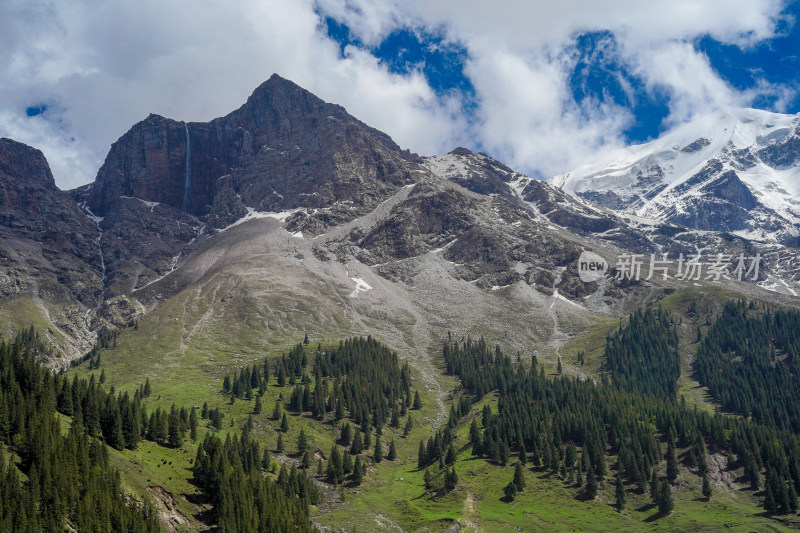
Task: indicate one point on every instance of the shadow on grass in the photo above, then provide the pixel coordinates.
(655, 516)
(203, 503)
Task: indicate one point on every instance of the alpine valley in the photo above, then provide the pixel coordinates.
(281, 320)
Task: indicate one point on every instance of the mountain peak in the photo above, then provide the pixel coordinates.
(731, 170)
(279, 95)
(283, 148)
(460, 151)
(23, 162)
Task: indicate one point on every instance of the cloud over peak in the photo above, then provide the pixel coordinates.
(95, 69)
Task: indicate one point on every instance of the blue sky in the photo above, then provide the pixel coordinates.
(542, 86)
(600, 72)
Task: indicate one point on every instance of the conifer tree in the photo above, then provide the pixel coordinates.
(345, 436)
(519, 477)
(672, 463)
(358, 471)
(302, 441)
(335, 467)
(450, 480)
(655, 487)
(358, 445)
(347, 463)
(620, 492)
(510, 491)
(175, 433)
(706, 487)
(450, 456)
(193, 425)
(591, 485)
(409, 426)
(665, 502)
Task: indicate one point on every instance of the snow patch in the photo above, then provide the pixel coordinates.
(149, 204)
(361, 286)
(253, 214)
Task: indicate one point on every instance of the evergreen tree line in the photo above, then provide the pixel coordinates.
(70, 484)
(642, 356)
(577, 428)
(750, 364)
(245, 500)
(122, 421)
(361, 378)
(439, 446)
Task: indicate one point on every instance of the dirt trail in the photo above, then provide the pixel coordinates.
(469, 516)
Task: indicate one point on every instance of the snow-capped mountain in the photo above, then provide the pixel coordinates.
(736, 171)
(289, 204)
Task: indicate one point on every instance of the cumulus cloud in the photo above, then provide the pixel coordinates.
(100, 67)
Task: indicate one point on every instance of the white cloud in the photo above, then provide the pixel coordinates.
(100, 67)
(527, 120)
(519, 63)
(694, 86)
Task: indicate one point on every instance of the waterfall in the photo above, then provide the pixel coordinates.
(188, 178)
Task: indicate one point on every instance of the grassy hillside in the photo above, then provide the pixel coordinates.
(393, 496)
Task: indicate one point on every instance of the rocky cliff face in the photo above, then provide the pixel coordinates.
(47, 241)
(288, 190)
(51, 268)
(284, 148)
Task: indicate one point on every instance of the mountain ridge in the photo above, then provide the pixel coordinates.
(457, 223)
(732, 171)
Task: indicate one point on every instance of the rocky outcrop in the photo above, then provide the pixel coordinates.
(284, 148)
(173, 200)
(47, 244)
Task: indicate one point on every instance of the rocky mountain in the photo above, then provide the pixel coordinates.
(50, 262)
(735, 171)
(33, 215)
(283, 148)
(202, 248)
(289, 214)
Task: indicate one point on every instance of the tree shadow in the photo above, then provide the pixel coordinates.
(653, 517)
(203, 502)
